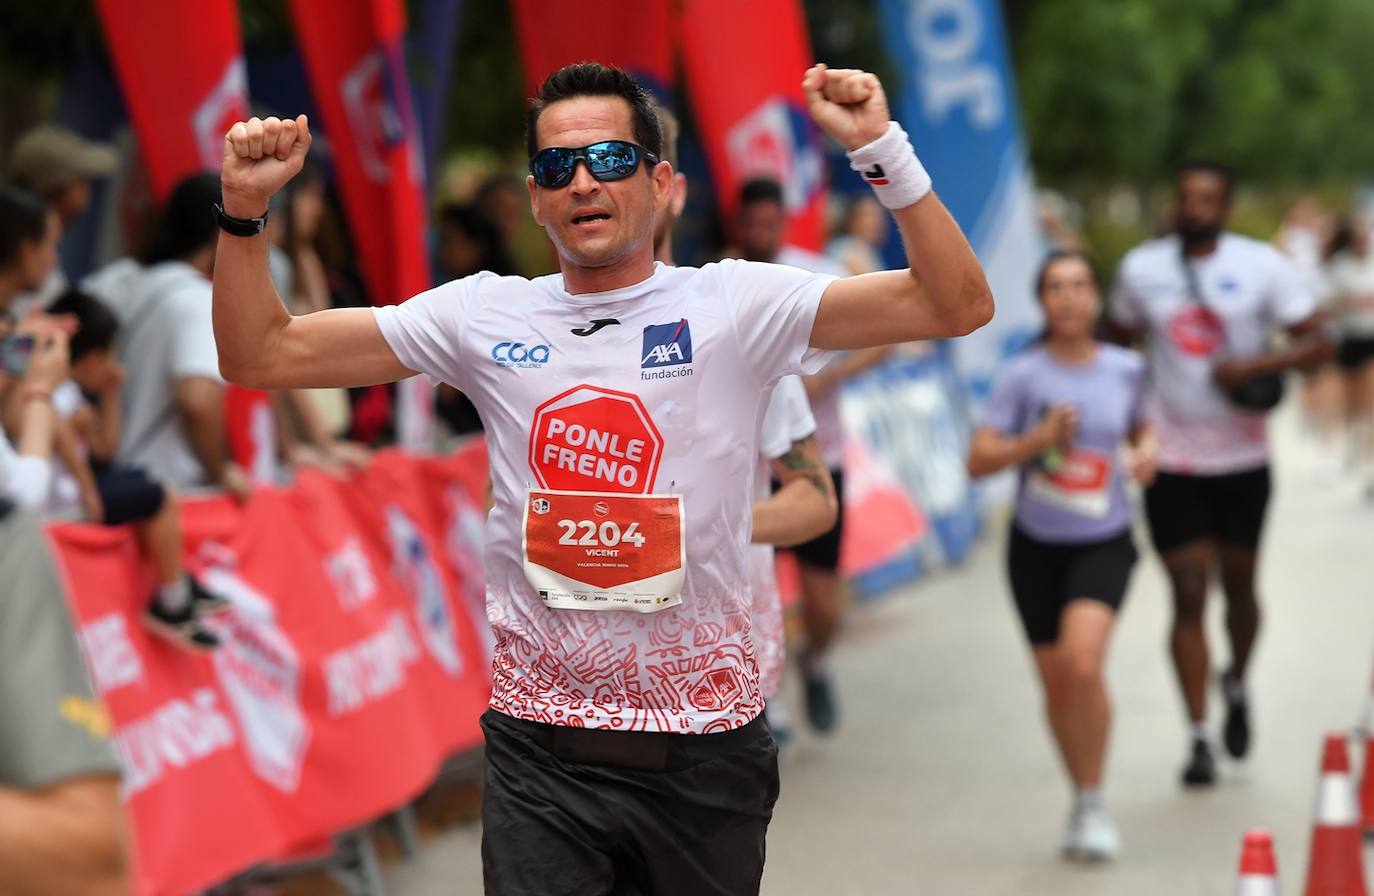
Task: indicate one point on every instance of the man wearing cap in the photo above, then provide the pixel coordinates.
(60, 166)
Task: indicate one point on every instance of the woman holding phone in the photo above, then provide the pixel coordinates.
(1066, 413)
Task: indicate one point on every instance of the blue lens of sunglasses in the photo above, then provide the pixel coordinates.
(554, 167)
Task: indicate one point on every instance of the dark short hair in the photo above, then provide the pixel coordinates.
(1054, 257)
(1209, 166)
(187, 223)
(595, 79)
(96, 324)
(758, 190)
(23, 216)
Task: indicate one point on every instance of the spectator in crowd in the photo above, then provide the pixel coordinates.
(174, 422)
(1350, 281)
(858, 246)
(502, 201)
(60, 167)
(308, 421)
(61, 821)
(29, 231)
(122, 495)
(468, 242)
(759, 226)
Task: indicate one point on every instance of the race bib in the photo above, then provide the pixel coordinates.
(599, 551)
(1079, 484)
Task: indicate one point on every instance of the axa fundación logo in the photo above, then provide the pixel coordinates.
(667, 351)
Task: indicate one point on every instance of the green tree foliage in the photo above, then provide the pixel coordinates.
(1123, 90)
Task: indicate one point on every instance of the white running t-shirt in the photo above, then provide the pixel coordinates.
(1249, 289)
(1350, 280)
(787, 420)
(662, 394)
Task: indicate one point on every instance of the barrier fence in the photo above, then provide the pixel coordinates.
(355, 661)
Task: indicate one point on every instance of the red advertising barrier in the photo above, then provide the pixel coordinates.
(183, 95)
(555, 33)
(355, 60)
(744, 64)
(353, 662)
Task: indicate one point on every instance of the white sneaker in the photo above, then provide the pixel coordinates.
(1070, 841)
(1098, 840)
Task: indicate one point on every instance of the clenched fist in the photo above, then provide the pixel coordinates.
(848, 104)
(260, 156)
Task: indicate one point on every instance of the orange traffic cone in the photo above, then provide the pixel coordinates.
(1259, 874)
(1367, 777)
(1335, 866)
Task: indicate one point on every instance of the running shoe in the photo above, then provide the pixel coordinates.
(1071, 839)
(1236, 732)
(183, 628)
(204, 602)
(820, 700)
(1201, 770)
(1098, 840)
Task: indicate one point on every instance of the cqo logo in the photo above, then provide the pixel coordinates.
(519, 354)
(596, 440)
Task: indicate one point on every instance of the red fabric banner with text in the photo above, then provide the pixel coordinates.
(181, 69)
(355, 60)
(350, 667)
(743, 64)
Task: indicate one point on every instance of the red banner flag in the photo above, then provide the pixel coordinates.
(181, 67)
(744, 64)
(555, 33)
(355, 60)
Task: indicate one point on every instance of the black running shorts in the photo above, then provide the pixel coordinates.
(823, 551)
(1046, 576)
(579, 812)
(1354, 353)
(1229, 508)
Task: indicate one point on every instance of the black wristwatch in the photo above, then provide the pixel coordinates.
(239, 226)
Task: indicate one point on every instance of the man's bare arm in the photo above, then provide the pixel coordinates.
(805, 506)
(260, 344)
(66, 838)
(944, 292)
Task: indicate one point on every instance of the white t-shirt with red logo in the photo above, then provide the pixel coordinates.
(1250, 290)
(660, 391)
(787, 420)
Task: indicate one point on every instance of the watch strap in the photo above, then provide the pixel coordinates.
(239, 226)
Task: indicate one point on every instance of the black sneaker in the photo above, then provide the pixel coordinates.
(182, 629)
(820, 701)
(1236, 732)
(1201, 770)
(205, 602)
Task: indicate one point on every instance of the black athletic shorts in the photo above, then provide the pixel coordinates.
(1046, 576)
(578, 812)
(1354, 353)
(823, 551)
(1229, 508)
(128, 494)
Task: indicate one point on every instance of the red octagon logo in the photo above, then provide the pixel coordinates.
(595, 440)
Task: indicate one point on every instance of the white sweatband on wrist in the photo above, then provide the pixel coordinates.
(891, 168)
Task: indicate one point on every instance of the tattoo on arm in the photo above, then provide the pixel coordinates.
(799, 460)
